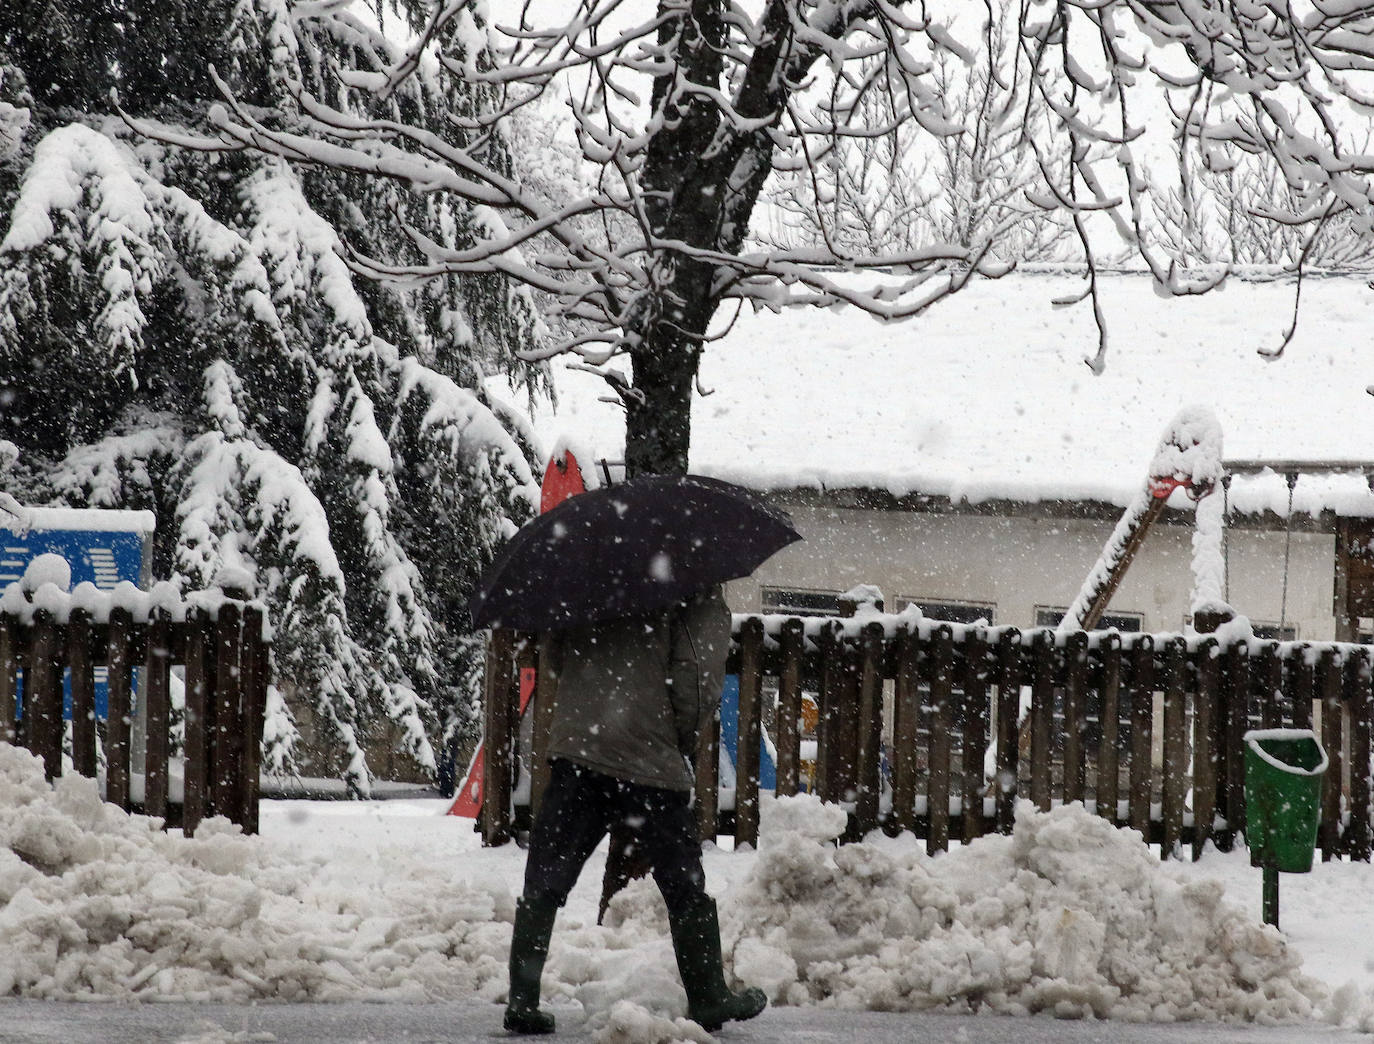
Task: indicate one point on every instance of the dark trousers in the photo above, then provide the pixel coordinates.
(578, 809)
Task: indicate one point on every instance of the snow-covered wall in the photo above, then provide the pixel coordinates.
(1017, 564)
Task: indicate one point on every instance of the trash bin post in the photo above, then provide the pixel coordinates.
(1269, 907)
(1284, 769)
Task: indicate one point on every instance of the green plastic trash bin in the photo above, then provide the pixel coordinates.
(1283, 797)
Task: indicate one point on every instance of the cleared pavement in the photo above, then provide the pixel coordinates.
(52, 1022)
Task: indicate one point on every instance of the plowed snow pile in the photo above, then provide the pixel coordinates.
(94, 902)
(1069, 915)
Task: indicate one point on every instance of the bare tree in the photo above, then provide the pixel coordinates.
(690, 109)
(1240, 212)
(862, 195)
(854, 197)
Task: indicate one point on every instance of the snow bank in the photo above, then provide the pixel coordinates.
(98, 903)
(1068, 916)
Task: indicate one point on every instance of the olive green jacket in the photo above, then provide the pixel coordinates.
(634, 693)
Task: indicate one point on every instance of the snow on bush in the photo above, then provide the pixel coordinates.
(98, 903)
(1070, 915)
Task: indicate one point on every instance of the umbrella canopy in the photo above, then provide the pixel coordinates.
(628, 549)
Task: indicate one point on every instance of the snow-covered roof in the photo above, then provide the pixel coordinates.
(88, 520)
(988, 394)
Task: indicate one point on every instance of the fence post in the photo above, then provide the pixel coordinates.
(9, 667)
(156, 668)
(79, 640)
(975, 730)
(228, 716)
(708, 780)
(1206, 745)
(497, 739)
(791, 642)
(1041, 714)
(1142, 699)
(526, 666)
(1224, 838)
(842, 773)
(120, 708)
(941, 725)
(1109, 748)
(832, 673)
(43, 696)
(1335, 737)
(1271, 686)
(1175, 765)
(906, 710)
(1237, 691)
(870, 729)
(1301, 672)
(58, 667)
(545, 694)
(1329, 833)
(747, 736)
(1357, 697)
(1008, 732)
(254, 681)
(1075, 695)
(199, 652)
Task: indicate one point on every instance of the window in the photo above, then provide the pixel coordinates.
(801, 603)
(1270, 631)
(1050, 616)
(954, 612)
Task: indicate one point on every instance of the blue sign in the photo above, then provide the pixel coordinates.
(102, 547)
(729, 734)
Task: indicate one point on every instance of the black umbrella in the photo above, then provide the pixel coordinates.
(628, 549)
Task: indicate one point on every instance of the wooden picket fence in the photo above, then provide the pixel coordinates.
(911, 716)
(225, 657)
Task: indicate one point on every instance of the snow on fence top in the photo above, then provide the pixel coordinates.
(987, 395)
(44, 587)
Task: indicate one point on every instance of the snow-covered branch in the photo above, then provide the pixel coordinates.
(1032, 120)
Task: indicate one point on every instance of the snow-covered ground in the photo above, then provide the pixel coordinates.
(394, 901)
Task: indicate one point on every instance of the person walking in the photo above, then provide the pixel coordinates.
(633, 695)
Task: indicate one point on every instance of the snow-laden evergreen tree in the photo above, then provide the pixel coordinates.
(180, 331)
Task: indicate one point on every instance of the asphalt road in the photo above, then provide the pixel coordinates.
(44, 1022)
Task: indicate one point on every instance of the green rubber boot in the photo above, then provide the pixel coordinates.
(696, 942)
(529, 946)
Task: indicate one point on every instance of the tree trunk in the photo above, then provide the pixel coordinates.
(700, 188)
(658, 433)
(658, 418)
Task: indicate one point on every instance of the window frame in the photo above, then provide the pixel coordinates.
(1289, 632)
(977, 610)
(794, 608)
(1120, 615)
